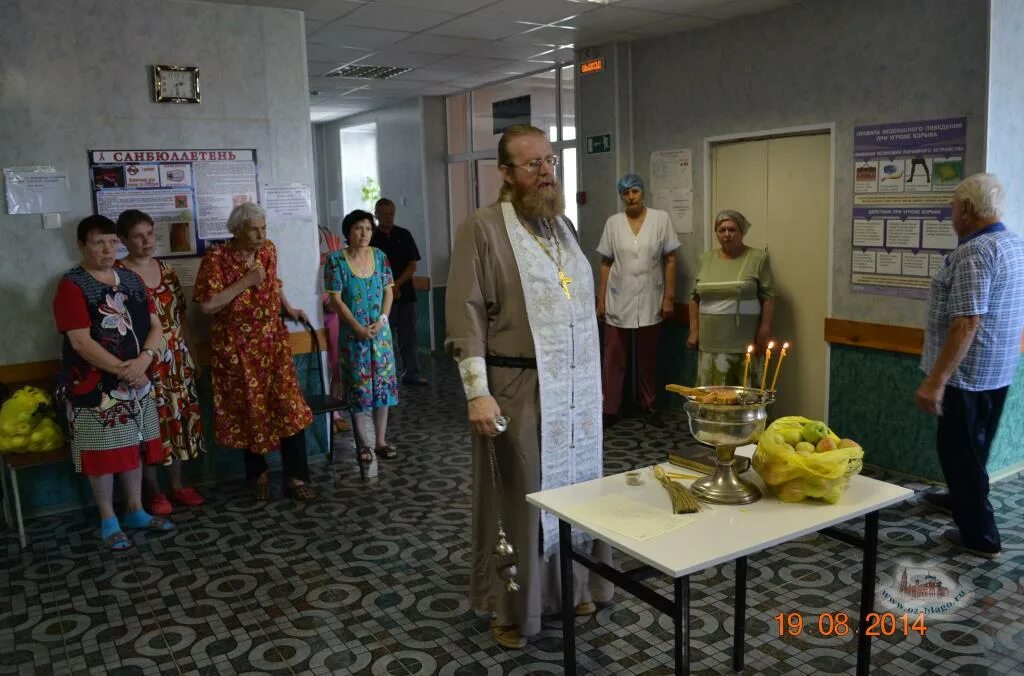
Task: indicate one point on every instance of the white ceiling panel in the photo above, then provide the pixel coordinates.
(433, 75)
(591, 38)
(393, 57)
(453, 6)
(546, 35)
(312, 26)
(440, 90)
(405, 19)
(329, 10)
(395, 84)
(318, 68)
(438, 44)
(318, 52)
(737, 8)
(671, 6)
(472, 64)
(507, 49)
(672, 25)
(614, 19)
(538, 11)
(345, 35)
(477, 27)
(453, 45)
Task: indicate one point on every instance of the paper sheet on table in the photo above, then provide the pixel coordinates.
(631, 518)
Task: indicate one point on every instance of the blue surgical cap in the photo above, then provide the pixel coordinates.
(630, 181)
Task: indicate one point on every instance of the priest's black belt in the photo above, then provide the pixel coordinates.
(511, 362)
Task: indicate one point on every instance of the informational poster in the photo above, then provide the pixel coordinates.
(291, 202)
(671, 186)
(904, 176)
(188, 193)
(186, 269)
(36, 190)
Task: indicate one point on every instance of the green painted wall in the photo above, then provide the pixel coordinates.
(58, 486)
(871, 399)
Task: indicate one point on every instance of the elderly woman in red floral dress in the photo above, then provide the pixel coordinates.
(181, 427)
(257, 403)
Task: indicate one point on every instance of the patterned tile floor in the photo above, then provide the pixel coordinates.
(371, 580)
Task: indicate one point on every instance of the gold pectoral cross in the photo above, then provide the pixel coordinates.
(565, 280)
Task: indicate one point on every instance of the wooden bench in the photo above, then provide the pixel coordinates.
(42, 374)
(10, 464)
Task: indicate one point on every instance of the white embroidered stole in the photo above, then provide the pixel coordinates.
(568, 360)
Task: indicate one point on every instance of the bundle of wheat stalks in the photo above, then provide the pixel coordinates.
(683, 500)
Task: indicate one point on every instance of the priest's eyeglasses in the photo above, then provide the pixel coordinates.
(533, 166)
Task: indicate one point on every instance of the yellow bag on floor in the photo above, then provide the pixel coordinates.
(27, 423)
(793, 476)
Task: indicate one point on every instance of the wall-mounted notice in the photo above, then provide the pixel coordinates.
(189, 193)
(670, 186)
(904, 176)
(290, 202)
(36, 190)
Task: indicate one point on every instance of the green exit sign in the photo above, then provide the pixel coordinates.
(602, 143)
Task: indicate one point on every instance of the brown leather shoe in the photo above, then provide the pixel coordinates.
(584, 609)
(507, 636)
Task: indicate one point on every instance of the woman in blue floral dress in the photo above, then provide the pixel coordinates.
(359, 284)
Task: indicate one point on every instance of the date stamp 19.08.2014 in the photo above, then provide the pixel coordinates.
(839, 624)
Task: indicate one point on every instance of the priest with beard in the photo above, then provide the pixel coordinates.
(521, 325)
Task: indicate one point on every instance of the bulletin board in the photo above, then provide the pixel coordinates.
(188, 193)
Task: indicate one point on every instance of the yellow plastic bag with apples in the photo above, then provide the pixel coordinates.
(27, 422)
(798, 458)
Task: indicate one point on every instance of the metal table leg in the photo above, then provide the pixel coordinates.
(17, 508)
(681, 624)
(568, 610)
(330, 437)
(5, 490)
(867, 591)
(739, 619)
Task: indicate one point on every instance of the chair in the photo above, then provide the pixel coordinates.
(323, 402)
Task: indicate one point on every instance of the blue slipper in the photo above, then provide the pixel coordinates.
(142, 519)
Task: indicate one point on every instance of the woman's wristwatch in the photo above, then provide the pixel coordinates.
(152, 353)
(383, 319)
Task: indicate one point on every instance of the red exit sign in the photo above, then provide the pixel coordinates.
(592, 66)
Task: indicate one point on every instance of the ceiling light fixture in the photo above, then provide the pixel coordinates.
(362, 72)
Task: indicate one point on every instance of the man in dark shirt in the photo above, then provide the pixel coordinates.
(400, 248)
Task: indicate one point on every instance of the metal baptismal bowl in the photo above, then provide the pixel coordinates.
(726, 426)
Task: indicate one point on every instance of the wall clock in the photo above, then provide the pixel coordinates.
(176, 84)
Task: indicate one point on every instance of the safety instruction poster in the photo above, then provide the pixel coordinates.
(188, 193)
(904, 176)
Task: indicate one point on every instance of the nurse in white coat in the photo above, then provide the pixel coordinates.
(636, 291)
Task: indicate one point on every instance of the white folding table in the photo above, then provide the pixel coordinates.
(717, 535)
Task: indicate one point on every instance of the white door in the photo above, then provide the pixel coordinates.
(782, 185)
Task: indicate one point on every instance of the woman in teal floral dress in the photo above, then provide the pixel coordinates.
(359, 284)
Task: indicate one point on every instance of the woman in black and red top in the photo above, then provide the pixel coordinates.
(111, 338)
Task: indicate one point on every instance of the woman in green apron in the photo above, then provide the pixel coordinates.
(732, 305)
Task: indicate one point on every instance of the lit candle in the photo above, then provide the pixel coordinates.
(767, 360)
(746, 364)
(778, 365)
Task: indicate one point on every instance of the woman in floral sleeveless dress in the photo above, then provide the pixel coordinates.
(181, 427)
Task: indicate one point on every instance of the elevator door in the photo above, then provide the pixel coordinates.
(782, 186)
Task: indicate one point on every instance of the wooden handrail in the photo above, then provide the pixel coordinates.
(903, 339)
(300, 342)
